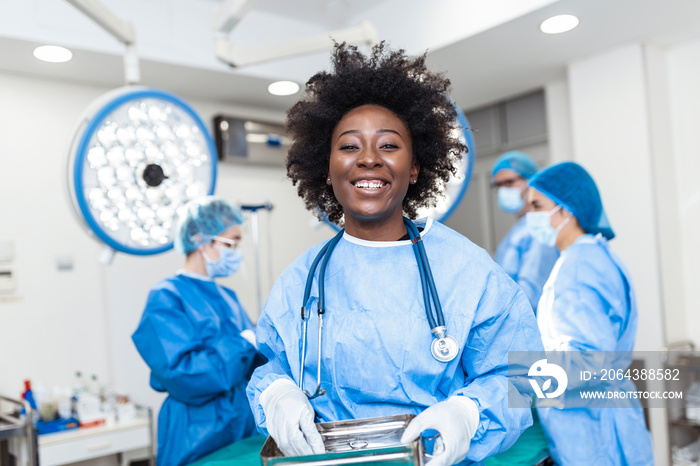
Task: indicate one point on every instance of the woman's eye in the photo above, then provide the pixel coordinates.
(389, 146)
(348, 147)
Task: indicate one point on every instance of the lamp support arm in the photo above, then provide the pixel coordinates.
(120, 29)
(236, 55)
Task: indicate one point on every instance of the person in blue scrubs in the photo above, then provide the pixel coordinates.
(588, 304)
(372, 142)
(198, 341)
(528, 262)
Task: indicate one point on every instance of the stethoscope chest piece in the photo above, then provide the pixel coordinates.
(444, 348)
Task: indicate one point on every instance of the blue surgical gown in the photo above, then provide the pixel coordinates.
(526, 260)
(376, 358)
(588, 304)
(189, 335)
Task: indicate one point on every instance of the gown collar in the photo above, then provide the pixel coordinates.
(426, 222)
(196, 276)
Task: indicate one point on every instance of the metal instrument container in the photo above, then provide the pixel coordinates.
(358, 441)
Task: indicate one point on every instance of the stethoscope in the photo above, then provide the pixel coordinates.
(443, 348)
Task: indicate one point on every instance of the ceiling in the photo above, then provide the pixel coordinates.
(499, 61)
(326, 12)
(516, 57)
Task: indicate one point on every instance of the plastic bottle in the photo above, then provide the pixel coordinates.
(63, 400)
(28, 396)
(45, 402)
(94, 387)
(79, 384)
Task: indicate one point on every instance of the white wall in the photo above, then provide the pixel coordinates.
(556, 96)
(611, 139)
(684, 93)
(63, 321)
(665, 165)
(58, 324)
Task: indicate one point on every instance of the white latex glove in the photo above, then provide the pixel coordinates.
(249, 335)
(290, 419)
(456, 419)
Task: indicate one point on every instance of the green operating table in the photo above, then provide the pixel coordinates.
(245, 452)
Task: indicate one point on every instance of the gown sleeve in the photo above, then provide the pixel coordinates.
(503, 322)
(192, 365)
(272, 347)
(536, 265)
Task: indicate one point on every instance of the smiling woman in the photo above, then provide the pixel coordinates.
(389, 79)
(372, 142)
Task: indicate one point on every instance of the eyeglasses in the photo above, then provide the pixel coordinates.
(509, 183)
(229, 243)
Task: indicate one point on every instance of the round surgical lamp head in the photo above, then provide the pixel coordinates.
(456, 188)
(138, 155)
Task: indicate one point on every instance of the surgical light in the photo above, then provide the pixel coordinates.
(53, 54)
(456, 187)
(283, 88)
(558, 24)
(138, 156)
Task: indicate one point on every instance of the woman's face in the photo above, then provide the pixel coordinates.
(371, 166)
(538, 202)
(211, 249)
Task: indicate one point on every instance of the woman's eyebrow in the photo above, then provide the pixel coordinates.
(379, 131)
(350, 131)
(390, 131)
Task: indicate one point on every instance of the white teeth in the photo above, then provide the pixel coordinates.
(369, 184)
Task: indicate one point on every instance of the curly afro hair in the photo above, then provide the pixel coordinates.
(389, 79)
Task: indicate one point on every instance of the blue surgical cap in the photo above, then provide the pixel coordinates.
(517, 161)
(569, 185)
(203, 218)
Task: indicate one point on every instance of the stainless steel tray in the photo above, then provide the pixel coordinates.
(358, 441)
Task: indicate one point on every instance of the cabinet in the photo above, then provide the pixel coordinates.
(684, 413)
(512, 124)
(17, 437)
(130, 440)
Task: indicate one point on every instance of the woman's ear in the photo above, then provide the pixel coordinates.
(415, 170)
(196, 239)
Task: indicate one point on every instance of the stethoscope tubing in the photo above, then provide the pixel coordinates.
(427, 286)
(426, 275)
(424, 287)
(322, 273)
(325, 254)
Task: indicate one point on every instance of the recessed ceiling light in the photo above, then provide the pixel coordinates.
(558, 24)
(53, 53)
(283, 88)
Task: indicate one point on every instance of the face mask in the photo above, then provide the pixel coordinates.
(540, 226)
(226, 265)
(510, 200)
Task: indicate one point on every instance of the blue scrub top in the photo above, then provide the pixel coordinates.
(376, 358)
(189, 335)
(526, 260)
(588, 304)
